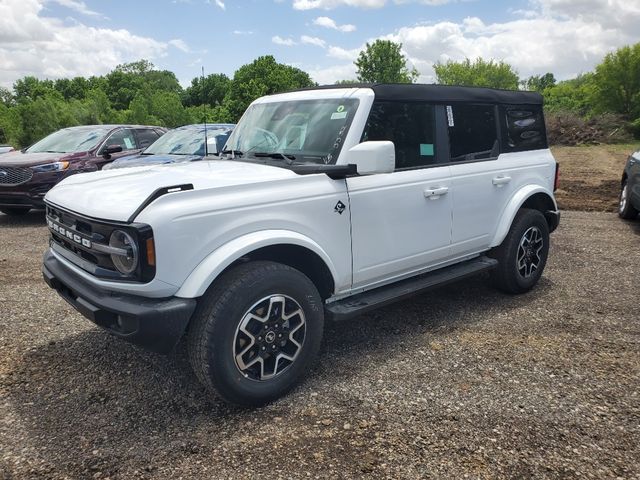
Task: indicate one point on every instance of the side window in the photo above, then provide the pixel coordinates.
(146, 136)
(410, 126)
(472, 132)
(523, 128)
(124, 138)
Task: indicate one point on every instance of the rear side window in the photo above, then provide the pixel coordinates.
(146, 136)
(410, 126)
(123, 138)
(472, 132)
(523, 128)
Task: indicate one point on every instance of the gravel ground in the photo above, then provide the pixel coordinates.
(460, 382)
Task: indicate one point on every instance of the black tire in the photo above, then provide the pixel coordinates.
(15, 211)
(507, 276)
(214, 337)
(625, 209)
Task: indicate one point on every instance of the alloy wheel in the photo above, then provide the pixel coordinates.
(269, 337)
(529, 252)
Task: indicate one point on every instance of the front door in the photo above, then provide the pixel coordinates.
(401, 221)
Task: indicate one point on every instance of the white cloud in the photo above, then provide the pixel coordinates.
(32, 44)
(342, 53)
(287, 42)
(327, 22)
(179, 44)
(331, 4)
(312, 41)
(220, 4)
(557, 39)
(242, 32)
(329, 75)
(77, 6)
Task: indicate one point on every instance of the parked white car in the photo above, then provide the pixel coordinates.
(329, 202)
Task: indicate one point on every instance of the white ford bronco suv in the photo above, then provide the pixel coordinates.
(325, 203)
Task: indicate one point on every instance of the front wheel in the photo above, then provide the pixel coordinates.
(522, 255)
(256, 332)
(625, 209)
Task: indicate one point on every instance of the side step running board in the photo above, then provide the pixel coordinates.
(379, 297)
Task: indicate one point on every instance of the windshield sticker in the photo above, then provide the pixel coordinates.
(128, 143)
(426, 149)
(450, 115)
(339, 115)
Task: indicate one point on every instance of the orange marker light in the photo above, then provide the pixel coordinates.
(151, 252)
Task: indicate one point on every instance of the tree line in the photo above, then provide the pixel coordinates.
(141, 94)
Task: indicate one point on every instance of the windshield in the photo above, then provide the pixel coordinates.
(188, 141)
(309, 131)
(70, 140)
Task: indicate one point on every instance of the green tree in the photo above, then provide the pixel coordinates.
(30, 88)
(264, 76)
(215, 89)
(72, 87)
(6, 97)
(573, 95)
(479, 73)
(539, 83)
(383, 62)
(617, 82)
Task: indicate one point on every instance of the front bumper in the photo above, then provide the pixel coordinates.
(156, 324)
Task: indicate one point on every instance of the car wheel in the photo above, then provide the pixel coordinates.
(522, 255)
(256, 332)
(625, 209)
(15, 211)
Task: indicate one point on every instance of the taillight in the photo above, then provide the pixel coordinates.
(556, 182)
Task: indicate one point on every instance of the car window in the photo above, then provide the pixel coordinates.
(523, 128)
(410, 126)
(146, 136)
(123, 138)
(472, 132)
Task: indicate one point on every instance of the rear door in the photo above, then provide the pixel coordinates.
(488, 166)
(401, 221)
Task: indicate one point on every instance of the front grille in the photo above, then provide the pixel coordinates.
(79, 239)
(14, 175)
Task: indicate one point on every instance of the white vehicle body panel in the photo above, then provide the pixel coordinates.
(482, 190)
(396, 229)
(392, 226)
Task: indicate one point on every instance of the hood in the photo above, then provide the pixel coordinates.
(141, 160)
(19, 159)
(116, 194)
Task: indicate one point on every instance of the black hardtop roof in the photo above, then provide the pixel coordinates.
(443, 93)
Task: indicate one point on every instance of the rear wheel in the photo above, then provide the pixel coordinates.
(625, 209)
(256, 332)
(522, 255)
(15, 211)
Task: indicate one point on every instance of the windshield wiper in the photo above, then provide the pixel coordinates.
(236, 153)
(284, 156)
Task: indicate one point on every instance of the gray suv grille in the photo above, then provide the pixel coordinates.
(14, 176)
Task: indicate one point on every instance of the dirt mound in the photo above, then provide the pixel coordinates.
(571, 129)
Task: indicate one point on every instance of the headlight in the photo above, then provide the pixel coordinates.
(51, 167)
(126, 262)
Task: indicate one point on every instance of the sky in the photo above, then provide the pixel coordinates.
(66, 38)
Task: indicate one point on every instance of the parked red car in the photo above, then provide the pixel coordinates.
(27, 175)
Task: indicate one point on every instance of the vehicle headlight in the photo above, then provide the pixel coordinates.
(51, 167)
(127, 261)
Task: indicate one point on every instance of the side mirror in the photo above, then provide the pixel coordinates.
(373, 157)
(109, 149)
